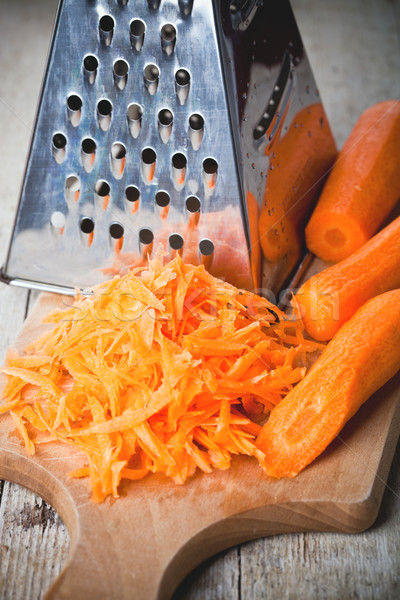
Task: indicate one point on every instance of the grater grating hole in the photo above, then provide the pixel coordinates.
(193, 204)
(74, 106)
(132, 196)
(118, 150)
(118, 154)
(210, 166)
(151, 74)
(179, 163)
(72, 188)
(179, 160)
(90, 63)
(106, 23)
(88, 153)
(206, 247)
(182, 85)
(168, 38)
(148, 164)
(106, 29)
(182, 77)
(146, 236)
(196, 122)
(57, 222)
(165, 120)
(162, 199)
(104, 111)
(153, 4)
(120, 73)
(186, 7)
(59, 141)
(148, 156)
(210, 174)
(137, 27)
(165, 117)
(86, 225)
(196, 130)
(104, 107)
(132, 193)
(121, 67)
(168, 32)
(137, 31)
(116, 230)
(74, 102)
(88, 146)
(58, 145)
(134, 116)
(176, 241)
(102, 188)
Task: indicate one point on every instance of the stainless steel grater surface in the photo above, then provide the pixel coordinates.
(156, 125)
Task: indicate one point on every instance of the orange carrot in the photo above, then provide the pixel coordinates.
(147, 375)
(364, 354)
(299, 164)
(330, 298)
(363, 187)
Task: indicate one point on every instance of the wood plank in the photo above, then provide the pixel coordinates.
(33, 544)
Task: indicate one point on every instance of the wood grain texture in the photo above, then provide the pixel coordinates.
(157, 531)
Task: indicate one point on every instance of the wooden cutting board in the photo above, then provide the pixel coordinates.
(142, 545)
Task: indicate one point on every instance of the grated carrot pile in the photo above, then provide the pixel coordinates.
(165, 369)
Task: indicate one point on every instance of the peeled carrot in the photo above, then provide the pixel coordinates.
(363, 187)
(363, 355)
(330, 298)
(298, 166)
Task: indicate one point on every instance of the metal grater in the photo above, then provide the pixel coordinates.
(156, 124)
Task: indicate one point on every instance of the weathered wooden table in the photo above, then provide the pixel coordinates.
(354, 50)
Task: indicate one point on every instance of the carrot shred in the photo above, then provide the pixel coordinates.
(161, 370)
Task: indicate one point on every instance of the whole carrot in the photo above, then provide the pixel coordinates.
(363, 187)
(363, 355)
(330, 298)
